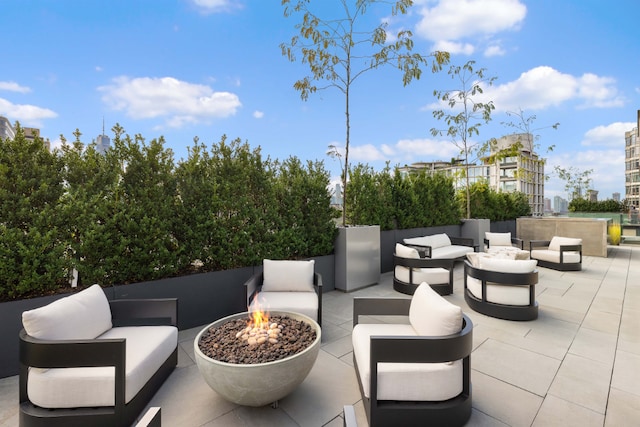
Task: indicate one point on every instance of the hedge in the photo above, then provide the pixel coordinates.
(134, 214)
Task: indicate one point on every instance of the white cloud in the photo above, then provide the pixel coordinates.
(610, 135)
(365, 153)
(176, 101)
(453, 20)
(494, 50)
(216, 6)
(405, 151)
(258, 114)
(454, 48)
(98, 68)
(14, 87)
(607, 167)
(543, 87)
(27, 115)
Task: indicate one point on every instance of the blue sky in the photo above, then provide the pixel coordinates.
(186, 68)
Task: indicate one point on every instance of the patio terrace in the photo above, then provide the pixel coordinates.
(577, 364)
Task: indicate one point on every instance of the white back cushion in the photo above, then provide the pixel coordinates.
(435, 241)
(287, 276)
(406, 252)
(498, 239)
(556, 242)
(432, 315)
(84, 315)
(507, 265)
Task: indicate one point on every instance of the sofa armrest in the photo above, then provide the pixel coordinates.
(253, 286)
(147, 312)
(423, 349)
(424, 251)
(380, 306)
(39, 353)
(538, 244)
(570, 248)
(518, 243)
(463, 241)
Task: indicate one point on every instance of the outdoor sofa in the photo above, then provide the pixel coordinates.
(442, 246)
(87, 361)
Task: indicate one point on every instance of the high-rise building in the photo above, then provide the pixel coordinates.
(6, 130)
(616, 196)
(521, 171)
(632, 165)
(103, 142)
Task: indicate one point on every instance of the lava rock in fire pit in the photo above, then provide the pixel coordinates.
(221, 343)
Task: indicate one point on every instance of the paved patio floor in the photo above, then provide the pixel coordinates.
(578, 364)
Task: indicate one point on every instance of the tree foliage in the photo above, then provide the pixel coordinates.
(575, 181)
(465, 114)
(340, 49)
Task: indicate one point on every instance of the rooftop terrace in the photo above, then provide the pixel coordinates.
(577, 364)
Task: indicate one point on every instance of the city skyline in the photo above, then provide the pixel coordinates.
(204, 68)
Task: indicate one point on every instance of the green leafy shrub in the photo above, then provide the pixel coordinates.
(33, 247)
(133, 215)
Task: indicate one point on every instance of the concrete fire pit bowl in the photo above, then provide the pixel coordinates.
(257, 384)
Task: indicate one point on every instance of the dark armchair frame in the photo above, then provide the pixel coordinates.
(411, 263)
(92, 353)
(561, 266)
(414, 349)
(501, 311)
(254, 286)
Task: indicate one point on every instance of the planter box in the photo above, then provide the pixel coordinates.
(475, 228)
(357, 257)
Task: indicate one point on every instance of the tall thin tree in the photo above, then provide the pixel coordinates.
(338, 50)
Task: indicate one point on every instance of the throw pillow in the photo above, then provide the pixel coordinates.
(287, 276)
(432, 315)
(81, 316)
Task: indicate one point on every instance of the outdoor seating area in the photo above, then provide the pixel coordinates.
(584, 347)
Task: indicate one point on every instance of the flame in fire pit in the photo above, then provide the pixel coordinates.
(259, 318)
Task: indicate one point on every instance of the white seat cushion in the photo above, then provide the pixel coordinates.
(500, 294)
(568, 257)
(147, 348)
(433, 276)
(297, 302)
(404, 381)
(287, 276)
(84, 315)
